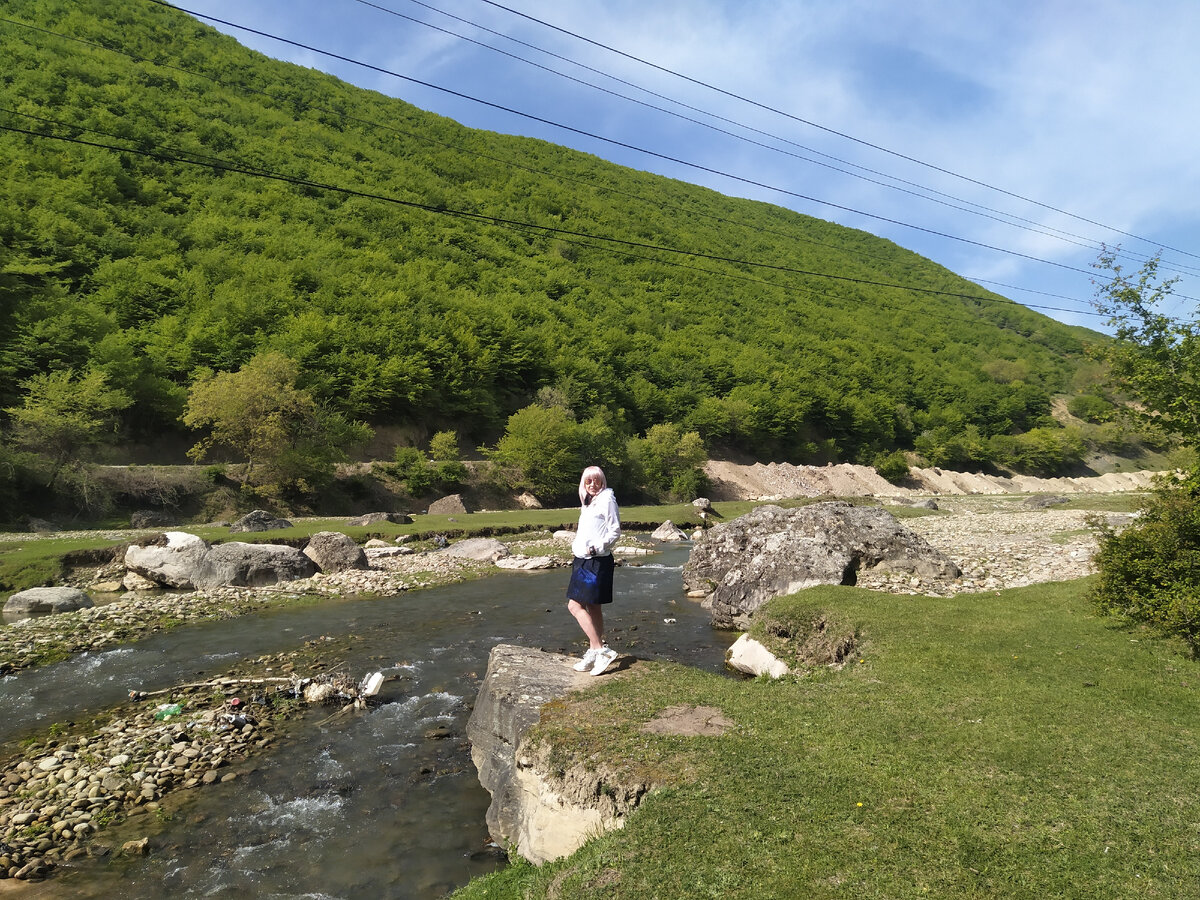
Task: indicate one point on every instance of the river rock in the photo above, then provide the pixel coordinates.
(669, 532)
(528, 563)
(333, 551)
(174, 559)
(47, 600)
(484, 549)
(150, 518)
(541, 809)
(253, 565)
(751, 657)
(771, 551)
(258, 520)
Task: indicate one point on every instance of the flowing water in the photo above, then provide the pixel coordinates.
(379, 803)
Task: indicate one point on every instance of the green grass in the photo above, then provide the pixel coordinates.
(35, 561)
(1002, 745)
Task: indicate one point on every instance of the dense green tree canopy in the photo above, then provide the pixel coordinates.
(170, 258)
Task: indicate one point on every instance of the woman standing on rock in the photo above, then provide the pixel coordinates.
(592, 570)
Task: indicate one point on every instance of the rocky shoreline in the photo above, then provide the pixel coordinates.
(136, 614)
(59, 792)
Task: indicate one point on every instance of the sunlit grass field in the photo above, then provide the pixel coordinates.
(1005, 745)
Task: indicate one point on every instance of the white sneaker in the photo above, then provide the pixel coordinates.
(588, 660)
(604, 659)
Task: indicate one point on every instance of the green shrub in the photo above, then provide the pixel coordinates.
(1090, 407)
(892, 466)
(1044, 452)
(1150, 572)
(412, 467)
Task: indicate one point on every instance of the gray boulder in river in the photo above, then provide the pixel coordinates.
(181, 560)
(333, 551)
(253, 565)
(772, 551)
(46, 600)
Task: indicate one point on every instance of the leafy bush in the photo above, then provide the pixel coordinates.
(1045, 452)
(540, 451)
(892, 466)
(412, 467)
(669, 462)
(949, 448)
(448, 469)
(1150, 572)
(1090, 407)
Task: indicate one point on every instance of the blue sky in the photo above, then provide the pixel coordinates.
(1083, 115)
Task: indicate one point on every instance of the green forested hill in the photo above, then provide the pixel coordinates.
(152, 270)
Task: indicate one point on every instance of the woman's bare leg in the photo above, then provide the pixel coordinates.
(590, 617)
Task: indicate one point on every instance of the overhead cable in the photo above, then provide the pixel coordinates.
(834, 131)
(626, 145)
(498, 220)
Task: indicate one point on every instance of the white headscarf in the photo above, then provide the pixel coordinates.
(588, 473)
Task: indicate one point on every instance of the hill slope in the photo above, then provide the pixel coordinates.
(260, 206)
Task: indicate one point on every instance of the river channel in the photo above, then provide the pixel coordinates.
(382, 803)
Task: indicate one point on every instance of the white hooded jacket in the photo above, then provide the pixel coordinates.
(599, 526)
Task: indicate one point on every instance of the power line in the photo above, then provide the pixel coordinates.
(626, 145)
(471, 151)
(833, 131)
(226, 166)
(913, 189)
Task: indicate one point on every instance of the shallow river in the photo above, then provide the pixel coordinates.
(382, 803)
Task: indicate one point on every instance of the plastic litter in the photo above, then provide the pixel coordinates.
(371, 684)
(167, 710)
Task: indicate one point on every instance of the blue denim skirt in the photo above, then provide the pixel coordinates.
(591, 580)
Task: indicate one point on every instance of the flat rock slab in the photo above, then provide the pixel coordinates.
(690, 721)
(38, 600)
(543, 817)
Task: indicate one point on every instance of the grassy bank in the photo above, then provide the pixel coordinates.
(32, 560)
(1006, 745)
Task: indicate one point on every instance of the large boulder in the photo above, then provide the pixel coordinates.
(333, 551)
(151, 518)
(771, 551)
(542, 808)
(181, 560)
(448, 506)
(253, 565)
(175, 559)
(39, 600)
(669, 532)
(258, 520)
